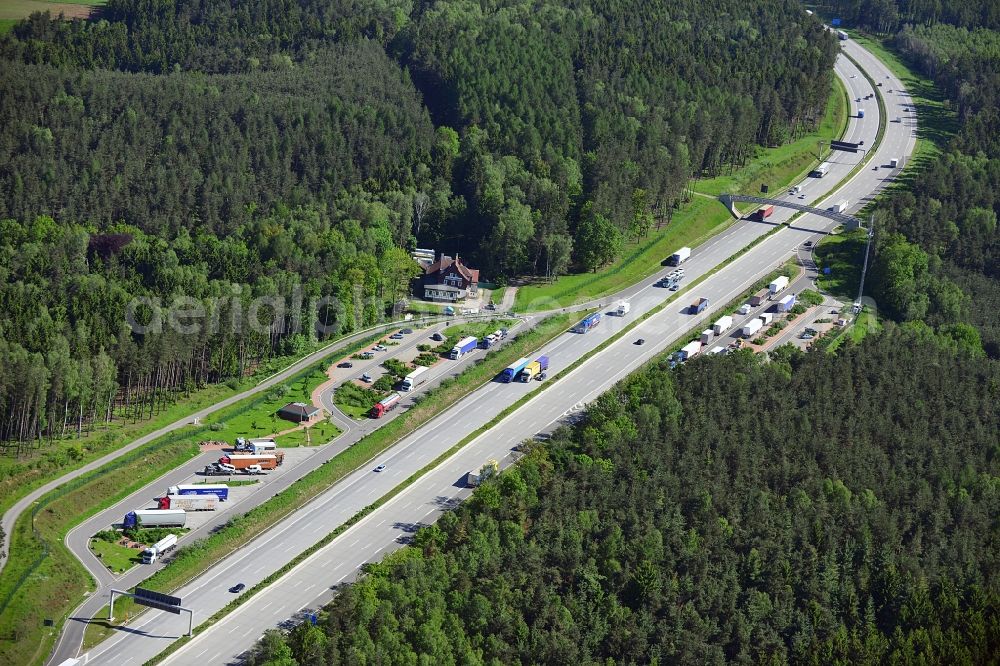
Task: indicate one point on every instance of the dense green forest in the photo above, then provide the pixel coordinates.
(939, 263)
(228, 151)
(816, 509)
(886, 17)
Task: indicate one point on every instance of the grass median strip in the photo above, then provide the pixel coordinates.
(194, 559)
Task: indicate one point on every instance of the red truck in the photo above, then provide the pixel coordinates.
(383, 406)
(265, 460)
(763, 213)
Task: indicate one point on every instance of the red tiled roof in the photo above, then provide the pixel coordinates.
(445, 262)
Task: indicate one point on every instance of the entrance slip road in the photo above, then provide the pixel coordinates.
(311, 583)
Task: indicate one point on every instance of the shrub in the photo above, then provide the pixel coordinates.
(383, 383)
(350, 393)
(396, 367)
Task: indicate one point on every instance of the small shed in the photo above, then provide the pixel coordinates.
(299, 412)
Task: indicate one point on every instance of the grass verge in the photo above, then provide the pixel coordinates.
(44, 580)
(843, 254)
(698, 220)
(785, 164)
(117, 558)
(195, 558)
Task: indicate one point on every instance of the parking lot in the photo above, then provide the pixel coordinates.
(237, 494)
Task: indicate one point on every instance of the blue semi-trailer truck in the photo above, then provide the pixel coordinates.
(512, 370)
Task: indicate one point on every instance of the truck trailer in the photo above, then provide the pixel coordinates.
(763, 213)
(751, 328)
(265, 460)
(256, 445)
(588, 323)
(821, 170)
(706, 336)
(760, 298)
(699, 306)
(543, 363)
(189, 502)
(529, 372)
(786, 303)
(722, 324)
(511, 371)
(680, 256)
(414, 379)
(157, 550)
(840, 206)
(385, 405)
(155, 518)
(220, 490)
(779, 284)
(690, 350)
(464, 346)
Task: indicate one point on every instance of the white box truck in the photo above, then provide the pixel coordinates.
(706, 336)
(690, 350)
(623, 308)
(780, 283)
(840, 206)
(722, 324)
(680, 256)
(751, 328)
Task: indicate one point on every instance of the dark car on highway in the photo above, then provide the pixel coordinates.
(239, 587)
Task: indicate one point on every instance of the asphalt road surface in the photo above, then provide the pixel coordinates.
(312, 583)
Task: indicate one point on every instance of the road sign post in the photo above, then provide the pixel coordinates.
(158, 600)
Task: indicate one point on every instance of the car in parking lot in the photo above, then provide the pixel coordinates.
(406, 331)
(396, 336)
(380, 468)
(345, 364)
(239, 587)
(437, 337)
(368, 354)
(807, 336)
(379, 348)
(366, 378)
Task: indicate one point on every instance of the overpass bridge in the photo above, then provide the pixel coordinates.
(849, 221)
